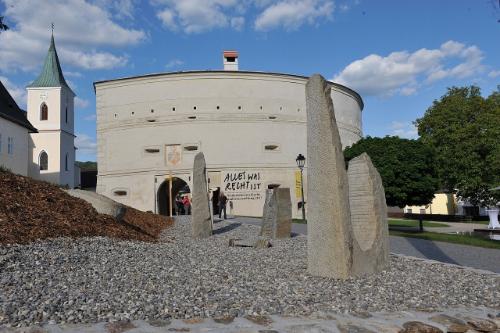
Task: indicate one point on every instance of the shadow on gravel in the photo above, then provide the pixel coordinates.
(430, 250)
(227, 228)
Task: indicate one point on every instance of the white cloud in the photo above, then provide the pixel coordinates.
(344, 7)
(167, 17)
(174, 63)
(81, 103)
(196, 16)
(291, 14)
(404, 130)
(81, 28)
(238, 22)
(72, 74)
(85, 144)
(121, 9)
(403, 72)
(93, 60)
(494, 74)
(90, 117)
(18, 93)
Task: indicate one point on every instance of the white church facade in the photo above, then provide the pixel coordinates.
(250, 126)
(46, 151)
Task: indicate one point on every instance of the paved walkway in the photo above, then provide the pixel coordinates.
(457, 227)
(463, 255)
(319, 322)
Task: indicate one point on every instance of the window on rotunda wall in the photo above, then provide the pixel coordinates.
(43, 161)
(44, 112)
(10, 145)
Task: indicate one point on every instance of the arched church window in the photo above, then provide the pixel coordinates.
(44, 161)
(66, 115)
(44, 112)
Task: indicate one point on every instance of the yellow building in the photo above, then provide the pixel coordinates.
(443, 204)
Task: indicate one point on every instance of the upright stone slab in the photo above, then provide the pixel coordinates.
(277, 215)
(269, 211)
(329, 232)
(201, 217)
(283, 225)
(368, 217)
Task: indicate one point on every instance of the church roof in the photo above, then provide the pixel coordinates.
(10, 110)
(51, 75)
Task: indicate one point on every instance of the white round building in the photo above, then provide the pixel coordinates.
(250, 126)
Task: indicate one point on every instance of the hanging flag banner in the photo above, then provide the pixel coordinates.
(298, 185)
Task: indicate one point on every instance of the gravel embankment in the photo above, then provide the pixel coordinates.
(96, 279)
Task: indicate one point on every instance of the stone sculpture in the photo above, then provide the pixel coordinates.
(201, 217)
(368, 216)
(334, 248)
(277, 215)
(329, 236)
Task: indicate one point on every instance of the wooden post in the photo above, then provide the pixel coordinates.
(170, 194)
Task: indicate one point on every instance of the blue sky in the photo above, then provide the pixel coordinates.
(399, 55)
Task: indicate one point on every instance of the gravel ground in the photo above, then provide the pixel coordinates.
(99, 279)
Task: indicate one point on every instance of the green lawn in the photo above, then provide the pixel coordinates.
(450, 238)
(414, 223)
(397, 223)
(434, 236)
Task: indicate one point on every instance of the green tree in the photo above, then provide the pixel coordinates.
(407, 168)
(464, 130)
(3, 26)
(88, 165)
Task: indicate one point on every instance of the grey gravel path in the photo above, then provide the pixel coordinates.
(99, 279)
(463, 255)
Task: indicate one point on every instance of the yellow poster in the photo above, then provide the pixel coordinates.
(298, 183)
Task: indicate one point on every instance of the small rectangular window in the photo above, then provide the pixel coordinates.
(271, 147)
(0, 142)
(120, 193)
(10, 145)
(191, 147)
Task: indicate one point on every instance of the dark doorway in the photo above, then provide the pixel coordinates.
(215, 200)
(179, 187)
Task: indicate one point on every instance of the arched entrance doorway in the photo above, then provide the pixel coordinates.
(179, 187)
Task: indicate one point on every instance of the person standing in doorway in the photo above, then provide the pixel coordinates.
(187, 205)
(179, 205)
(222, 205)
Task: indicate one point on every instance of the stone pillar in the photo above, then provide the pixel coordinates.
(277, 216)
(201, 217)
(329, 232)
(368, 217)
(266, 228)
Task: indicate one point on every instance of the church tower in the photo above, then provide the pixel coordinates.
(51, 110)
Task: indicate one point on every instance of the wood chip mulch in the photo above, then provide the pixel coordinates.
(31, 210)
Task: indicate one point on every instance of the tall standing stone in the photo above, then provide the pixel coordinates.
(329, 232)
(277, 216)
(201, 217)
(368, 217)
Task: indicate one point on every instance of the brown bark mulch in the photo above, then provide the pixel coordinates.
(31, 210)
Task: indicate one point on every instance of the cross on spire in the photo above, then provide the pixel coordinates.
(52, 25)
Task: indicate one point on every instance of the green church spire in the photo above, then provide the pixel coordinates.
(51, 75)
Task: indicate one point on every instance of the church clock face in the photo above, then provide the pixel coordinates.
(44, 95)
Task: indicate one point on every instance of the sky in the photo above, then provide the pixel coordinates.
(398, 55)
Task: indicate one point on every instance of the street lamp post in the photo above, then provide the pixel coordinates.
(301, 161)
